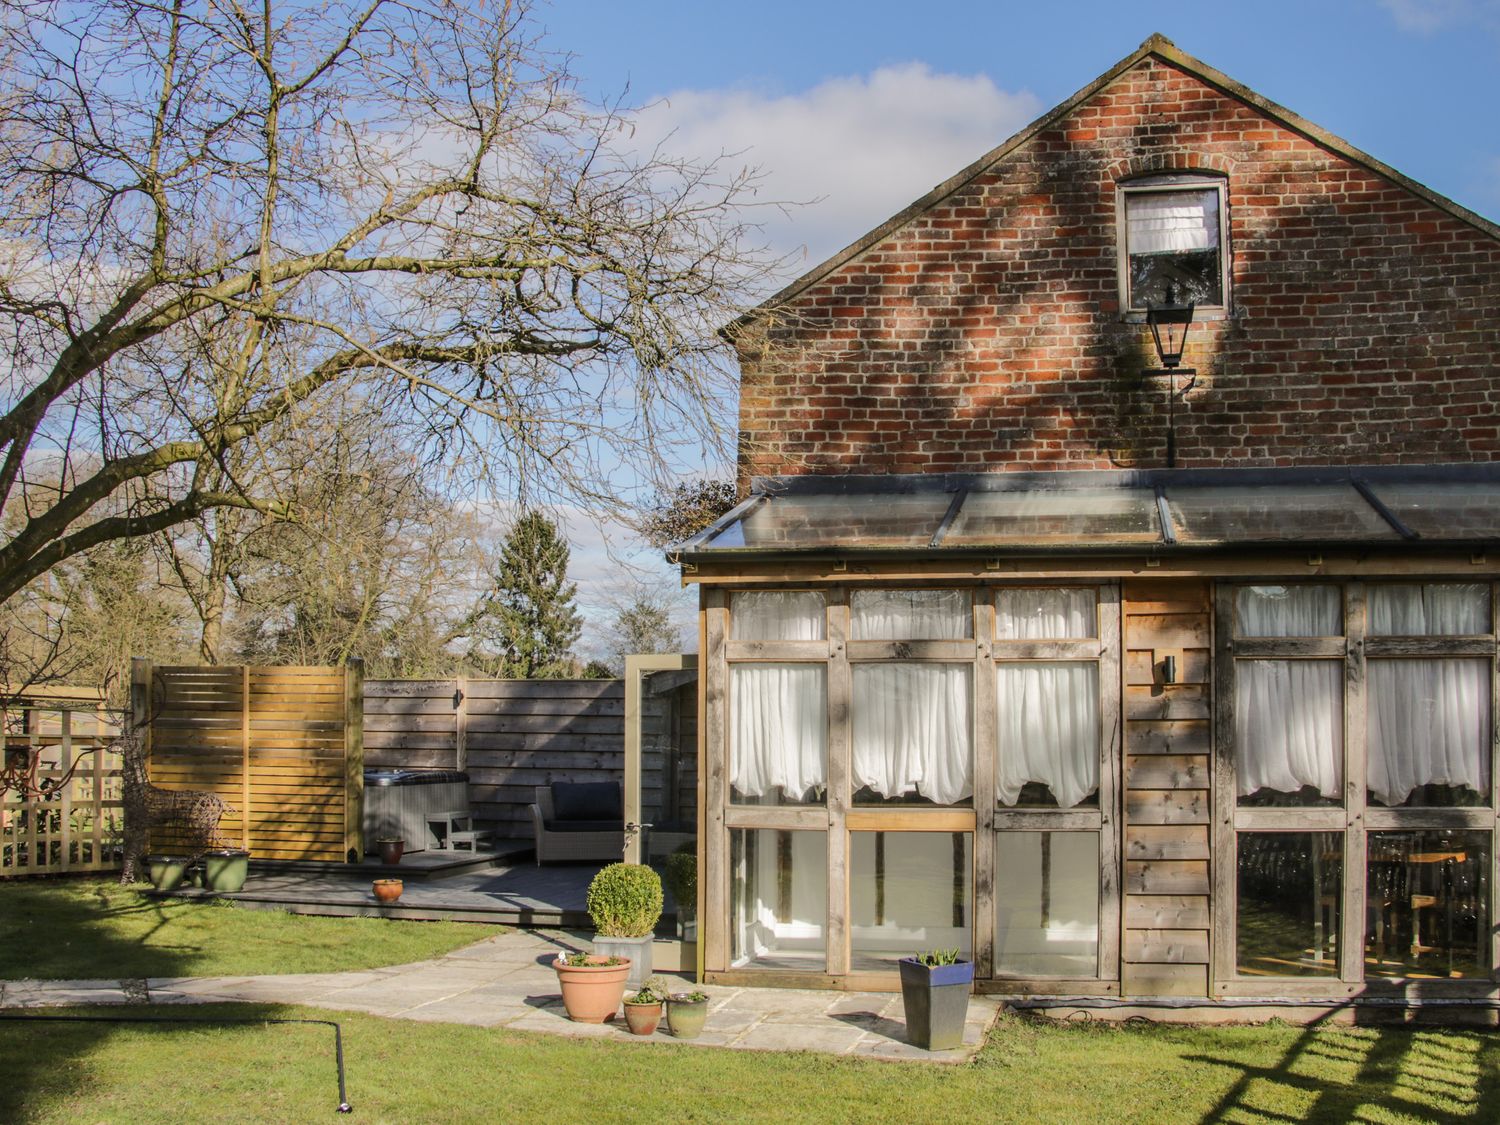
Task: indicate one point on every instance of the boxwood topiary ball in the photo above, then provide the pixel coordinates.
(624, 900)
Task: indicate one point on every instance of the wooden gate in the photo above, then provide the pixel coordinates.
(281, 746)
(80, 828)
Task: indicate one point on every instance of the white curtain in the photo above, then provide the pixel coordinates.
(1289, 725)
(1052, 614)
(912, 730)
(1449, 609)
(778, 729)
(776, 615)
(1289, 611)
(1429, 725)
(1172, 221)
(901, 615)
(1048, 719)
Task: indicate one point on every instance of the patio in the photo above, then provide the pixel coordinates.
(507, 981)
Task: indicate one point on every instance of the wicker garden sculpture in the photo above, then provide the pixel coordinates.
(147, 806)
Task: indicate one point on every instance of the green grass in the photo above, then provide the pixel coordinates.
(1028, 1072)
(74, 929)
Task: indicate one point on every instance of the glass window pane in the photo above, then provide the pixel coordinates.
(1172, 238)
(779, 899)
(1290, 903)
(1046, 614)
(909, 892)
(1428, 901)
(1048, 734)
(1445, 511)
(1284, 513)
(778, 733)
(1288, 611)
(1047, 904)
(1429, 732)
(1066, 516)
(911, 615)
(870, 519)
(913, 737)
(1289, 731)
(776, 615)
(1433, 610)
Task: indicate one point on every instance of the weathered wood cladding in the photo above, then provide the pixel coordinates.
(518, 734)
(273, 743)
(1166, 941)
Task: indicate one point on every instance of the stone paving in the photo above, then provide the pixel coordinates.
(507, 981)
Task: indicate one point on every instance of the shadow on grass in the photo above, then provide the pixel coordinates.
(1440, 1075)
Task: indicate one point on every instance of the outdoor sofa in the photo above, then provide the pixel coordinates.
(577, 821)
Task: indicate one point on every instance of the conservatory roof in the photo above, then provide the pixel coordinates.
(1157, 510)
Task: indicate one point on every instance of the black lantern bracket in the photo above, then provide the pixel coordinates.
(1169, 323)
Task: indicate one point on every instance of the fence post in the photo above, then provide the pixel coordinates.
(354, 759)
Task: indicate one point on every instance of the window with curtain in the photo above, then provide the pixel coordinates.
(776, 615)
(1429, 718)
(1047, 722)
(910, 615)
(1173, 241)
(912, 732)
(1288, 611)
(778, 733)
(1045, 614)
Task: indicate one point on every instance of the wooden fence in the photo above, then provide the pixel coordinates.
(80, 829)
(281, 747)
(508, 735)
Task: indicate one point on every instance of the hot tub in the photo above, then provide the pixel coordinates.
(398, 801)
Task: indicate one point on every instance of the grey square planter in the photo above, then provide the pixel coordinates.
(638, 949)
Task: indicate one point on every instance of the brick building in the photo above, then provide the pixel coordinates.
(1128, 683)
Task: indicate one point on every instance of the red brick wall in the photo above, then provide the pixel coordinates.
(985, 334)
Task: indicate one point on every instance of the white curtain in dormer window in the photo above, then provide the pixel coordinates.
(912, 730)
(910, 615)
(1172, 222)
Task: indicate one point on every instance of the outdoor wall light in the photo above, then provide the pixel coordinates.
(1169, 325)
(1169, 670)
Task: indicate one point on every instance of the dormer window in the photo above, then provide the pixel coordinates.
(1174, 242)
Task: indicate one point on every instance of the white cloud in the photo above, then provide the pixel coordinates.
(1427, 17)
(863, 147)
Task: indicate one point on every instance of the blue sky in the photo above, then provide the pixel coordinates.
(861, 107)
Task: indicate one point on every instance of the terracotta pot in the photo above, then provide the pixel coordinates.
(592, 993)
(387, 890)
(642, 1018)
(391, 851)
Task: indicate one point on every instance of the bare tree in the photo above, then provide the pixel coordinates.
(213, 219)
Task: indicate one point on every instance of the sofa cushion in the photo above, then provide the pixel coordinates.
(588, 800)
(583, 826)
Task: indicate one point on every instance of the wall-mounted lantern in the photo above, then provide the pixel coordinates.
(1169, 323)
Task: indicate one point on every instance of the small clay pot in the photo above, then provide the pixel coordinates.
(642, 1018)
(387, 890)
(391, 851)
(686, 1017)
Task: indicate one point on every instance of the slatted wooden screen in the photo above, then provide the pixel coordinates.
(281, 746)
(80, 829)
(509, 735)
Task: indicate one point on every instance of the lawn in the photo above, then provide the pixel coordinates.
(1028, 1072)
(72, 929)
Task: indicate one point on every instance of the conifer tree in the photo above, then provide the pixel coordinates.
(526, 627)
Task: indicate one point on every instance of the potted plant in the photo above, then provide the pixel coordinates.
(168, 871)
(391, 849)
(592, 985)
(224, 869)
(624, 901)
(682, 879)
(387, 891)
(686, 1013)
(935, 993)
(643, 1008)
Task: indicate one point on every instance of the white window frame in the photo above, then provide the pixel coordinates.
(1159, 184)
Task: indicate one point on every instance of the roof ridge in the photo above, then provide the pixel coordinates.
(1161, 47)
